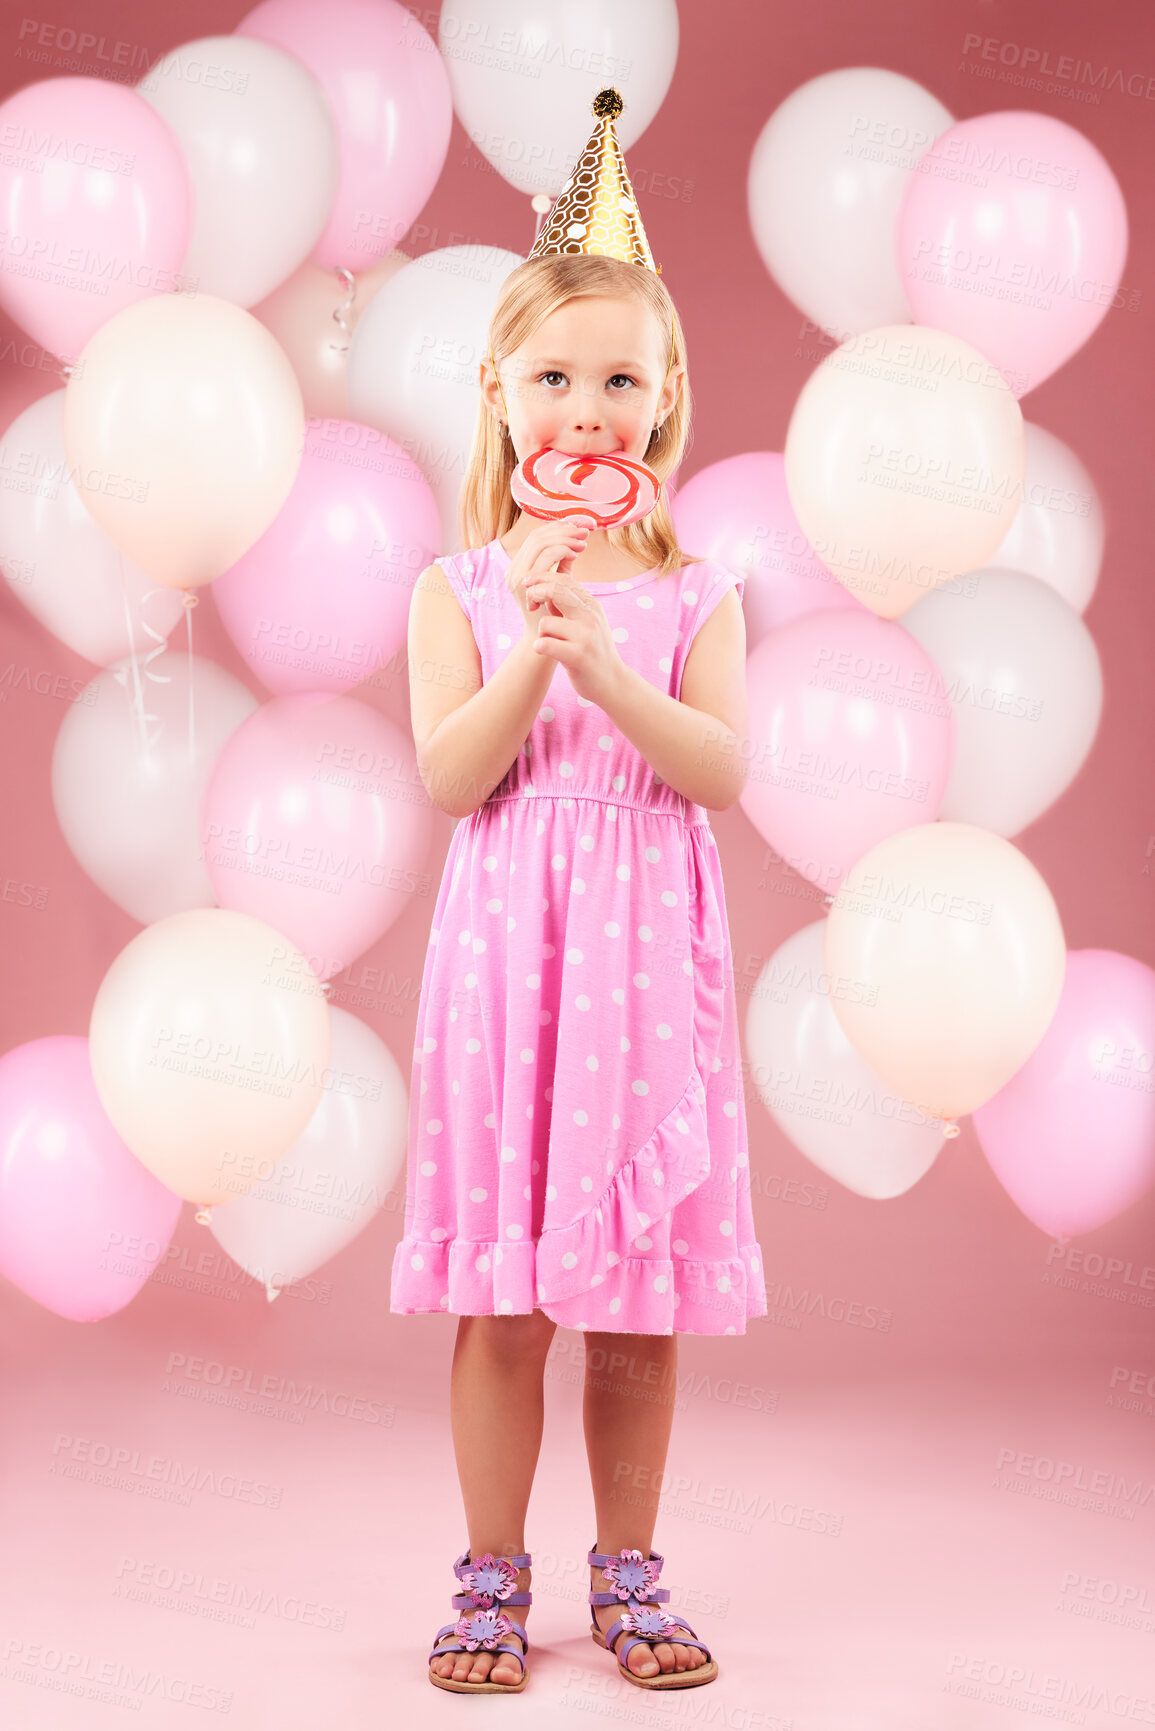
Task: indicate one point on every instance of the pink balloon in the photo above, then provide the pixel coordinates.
(82, 1222)
(1071, 1137)
(96, 196)
(851, 739)
(316, 820)
(322, 599)
(1019, 248)
(738, 512)
(389, 95)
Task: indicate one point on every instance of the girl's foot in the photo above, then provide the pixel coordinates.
(499, 1667)
(647, 1658)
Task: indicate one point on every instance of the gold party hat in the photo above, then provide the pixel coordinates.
(597, 211)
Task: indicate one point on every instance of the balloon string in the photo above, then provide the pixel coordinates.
(140, 665)
(339, 312)
(190, 601)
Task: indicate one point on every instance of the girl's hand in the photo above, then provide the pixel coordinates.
(546, 545)
(577, 633)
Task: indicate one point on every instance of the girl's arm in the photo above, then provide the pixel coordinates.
(467, 733)
(694, 741)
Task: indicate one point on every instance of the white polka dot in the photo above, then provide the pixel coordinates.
(664, 1031)
(643, 1219)
(526, 1054)
(514, 1231)
(680, 1246)
(653, 854)
(481, 1262)
(416, 1261)
(640, 1087)
(642, 982)
(612, 1258)
(478, 1194)
(428, 1168)
(581, 1002)
(660, 1283)
(509, 1153)
(528, 1192)
(581, 1117)
(551, 1192)
(434, 1126)
(438, 1233)
(730, 1108)
(615, 1306)
(429, 1044)
(658, 1175)
(506, 1304)
(669, 898)
(723, 1283)
(586, 842)
(644, 1243)
(592, 1062)
(587, 1183)
(725, 1227)
(569, 1260)
(574, 956)
(473, 1046)
(565, 768)
(646, 934)
(597, 1279)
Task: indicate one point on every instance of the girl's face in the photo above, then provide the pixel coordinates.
(590, 378)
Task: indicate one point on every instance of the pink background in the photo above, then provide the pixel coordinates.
(898, 1429)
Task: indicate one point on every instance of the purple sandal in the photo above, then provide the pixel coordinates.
(487, 1580)
(633, 1579)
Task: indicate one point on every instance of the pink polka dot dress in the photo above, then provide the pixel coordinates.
(577, 1128)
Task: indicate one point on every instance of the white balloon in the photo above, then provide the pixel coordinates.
(827, 175)
(524, 75)
(332, 1181)
(1057, 534)
(258, 138)
(821, 1094)
(57, 558)
(127, 798)
(1023, 675)
(415, 356)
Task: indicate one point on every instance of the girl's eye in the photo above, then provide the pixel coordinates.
(555, 373)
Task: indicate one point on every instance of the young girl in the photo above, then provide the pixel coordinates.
(577, 1147)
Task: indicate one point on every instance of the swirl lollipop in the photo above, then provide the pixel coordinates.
(610, 489)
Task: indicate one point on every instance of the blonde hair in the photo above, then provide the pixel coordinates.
(531, 292)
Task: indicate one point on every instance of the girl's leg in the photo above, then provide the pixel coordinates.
(628, 1412)
(496, 1401)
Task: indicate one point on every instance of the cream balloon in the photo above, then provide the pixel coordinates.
(209, 1039)
(826, 178)
(58, 559)
(904, 463)
(126, 788)
(1058, 531)
(313, 316)
(957, 942)
(821, 1094)
(306, 1207)
(184, 425)
(257, 135)
(1023, 677)
(415, 361)
(523, 77)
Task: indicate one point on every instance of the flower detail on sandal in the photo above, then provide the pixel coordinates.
(630, 1575)
(490, 1578)
(483, 1629)
(651, 1624)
